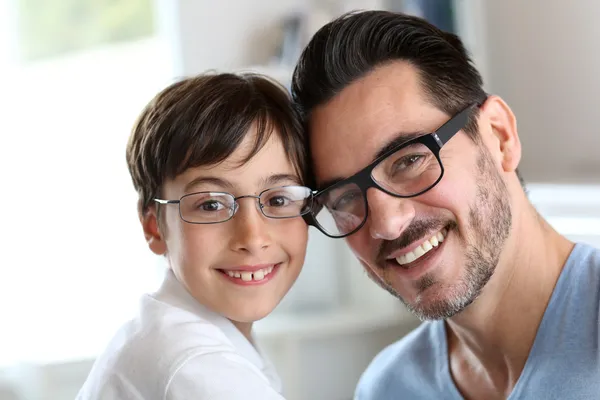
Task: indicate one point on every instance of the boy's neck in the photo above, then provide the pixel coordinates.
(245, 328)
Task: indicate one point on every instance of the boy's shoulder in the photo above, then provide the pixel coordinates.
(148, 350)
(164, 334)
(404, 367)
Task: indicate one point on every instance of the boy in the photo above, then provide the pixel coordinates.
(219, 166)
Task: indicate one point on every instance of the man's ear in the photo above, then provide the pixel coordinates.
(154, 238)
(504, 142)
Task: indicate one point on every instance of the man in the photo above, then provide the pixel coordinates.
(417, 169)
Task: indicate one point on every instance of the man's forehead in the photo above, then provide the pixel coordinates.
(386, 86)
(350, 129)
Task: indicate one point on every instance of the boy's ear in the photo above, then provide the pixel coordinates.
(154, 238)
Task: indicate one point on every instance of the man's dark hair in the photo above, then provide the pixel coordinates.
(354, 44)
(202, 120)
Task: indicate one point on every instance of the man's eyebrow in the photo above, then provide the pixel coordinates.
(207, 180)
(398, 139)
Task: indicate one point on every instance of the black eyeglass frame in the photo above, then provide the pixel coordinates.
(364, 178)
(261, 206)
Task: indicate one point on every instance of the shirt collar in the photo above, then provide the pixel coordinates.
(174, 293)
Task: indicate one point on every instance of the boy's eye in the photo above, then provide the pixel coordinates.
(211, 205)
(278, 201)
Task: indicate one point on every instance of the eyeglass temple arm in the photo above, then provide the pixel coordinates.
(161, 201)
(310, 220)
(309, 216)
(449, 129)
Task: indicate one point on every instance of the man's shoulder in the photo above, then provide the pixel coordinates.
(588, 253)
(401, 368)
(583, 265)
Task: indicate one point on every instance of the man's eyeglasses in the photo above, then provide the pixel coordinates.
(215, 207)
(407, 170)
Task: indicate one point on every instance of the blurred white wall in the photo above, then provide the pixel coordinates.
(207, 34)
(543, 57)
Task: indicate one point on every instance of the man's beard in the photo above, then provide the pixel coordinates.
(490, 221)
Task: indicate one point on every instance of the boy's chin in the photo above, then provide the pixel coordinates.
(250, 314)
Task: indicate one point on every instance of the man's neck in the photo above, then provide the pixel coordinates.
(495, 333)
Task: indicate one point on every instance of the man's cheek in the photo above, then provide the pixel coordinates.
(373, 275)
(359, 246)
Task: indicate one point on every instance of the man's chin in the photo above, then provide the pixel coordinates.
(435, 311)
(432, 306)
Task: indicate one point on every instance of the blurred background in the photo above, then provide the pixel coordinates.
(76, 73)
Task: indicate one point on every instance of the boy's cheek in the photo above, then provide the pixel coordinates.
(294, 235)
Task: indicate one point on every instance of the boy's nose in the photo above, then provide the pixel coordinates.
(251, 229)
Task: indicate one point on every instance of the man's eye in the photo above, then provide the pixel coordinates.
(346, 201)
(407, 161)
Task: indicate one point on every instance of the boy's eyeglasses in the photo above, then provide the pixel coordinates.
(215, 207)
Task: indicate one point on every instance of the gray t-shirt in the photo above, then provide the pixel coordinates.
(564, 362)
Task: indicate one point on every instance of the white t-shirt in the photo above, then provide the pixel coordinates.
(177, 349)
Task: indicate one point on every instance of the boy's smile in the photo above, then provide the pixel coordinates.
(249, 275)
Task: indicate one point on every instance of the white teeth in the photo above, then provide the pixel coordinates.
(423, 249)
(259, 275)
(410, 257)
(419, 251)
(434, 242)
(248, 276)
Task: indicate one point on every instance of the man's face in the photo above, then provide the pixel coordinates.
(435, 252)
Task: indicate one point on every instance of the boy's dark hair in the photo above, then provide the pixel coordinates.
(201, 121)
(354, 44)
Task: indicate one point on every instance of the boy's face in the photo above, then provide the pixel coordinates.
(203, 256)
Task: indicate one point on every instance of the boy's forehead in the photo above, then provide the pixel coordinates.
(270, 142)
(238, 171)
(269, 151)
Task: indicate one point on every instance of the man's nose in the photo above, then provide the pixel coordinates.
(389, 216)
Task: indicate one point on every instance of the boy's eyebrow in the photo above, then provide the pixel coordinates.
(207, 180)
(272, 180)
(277, 179)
